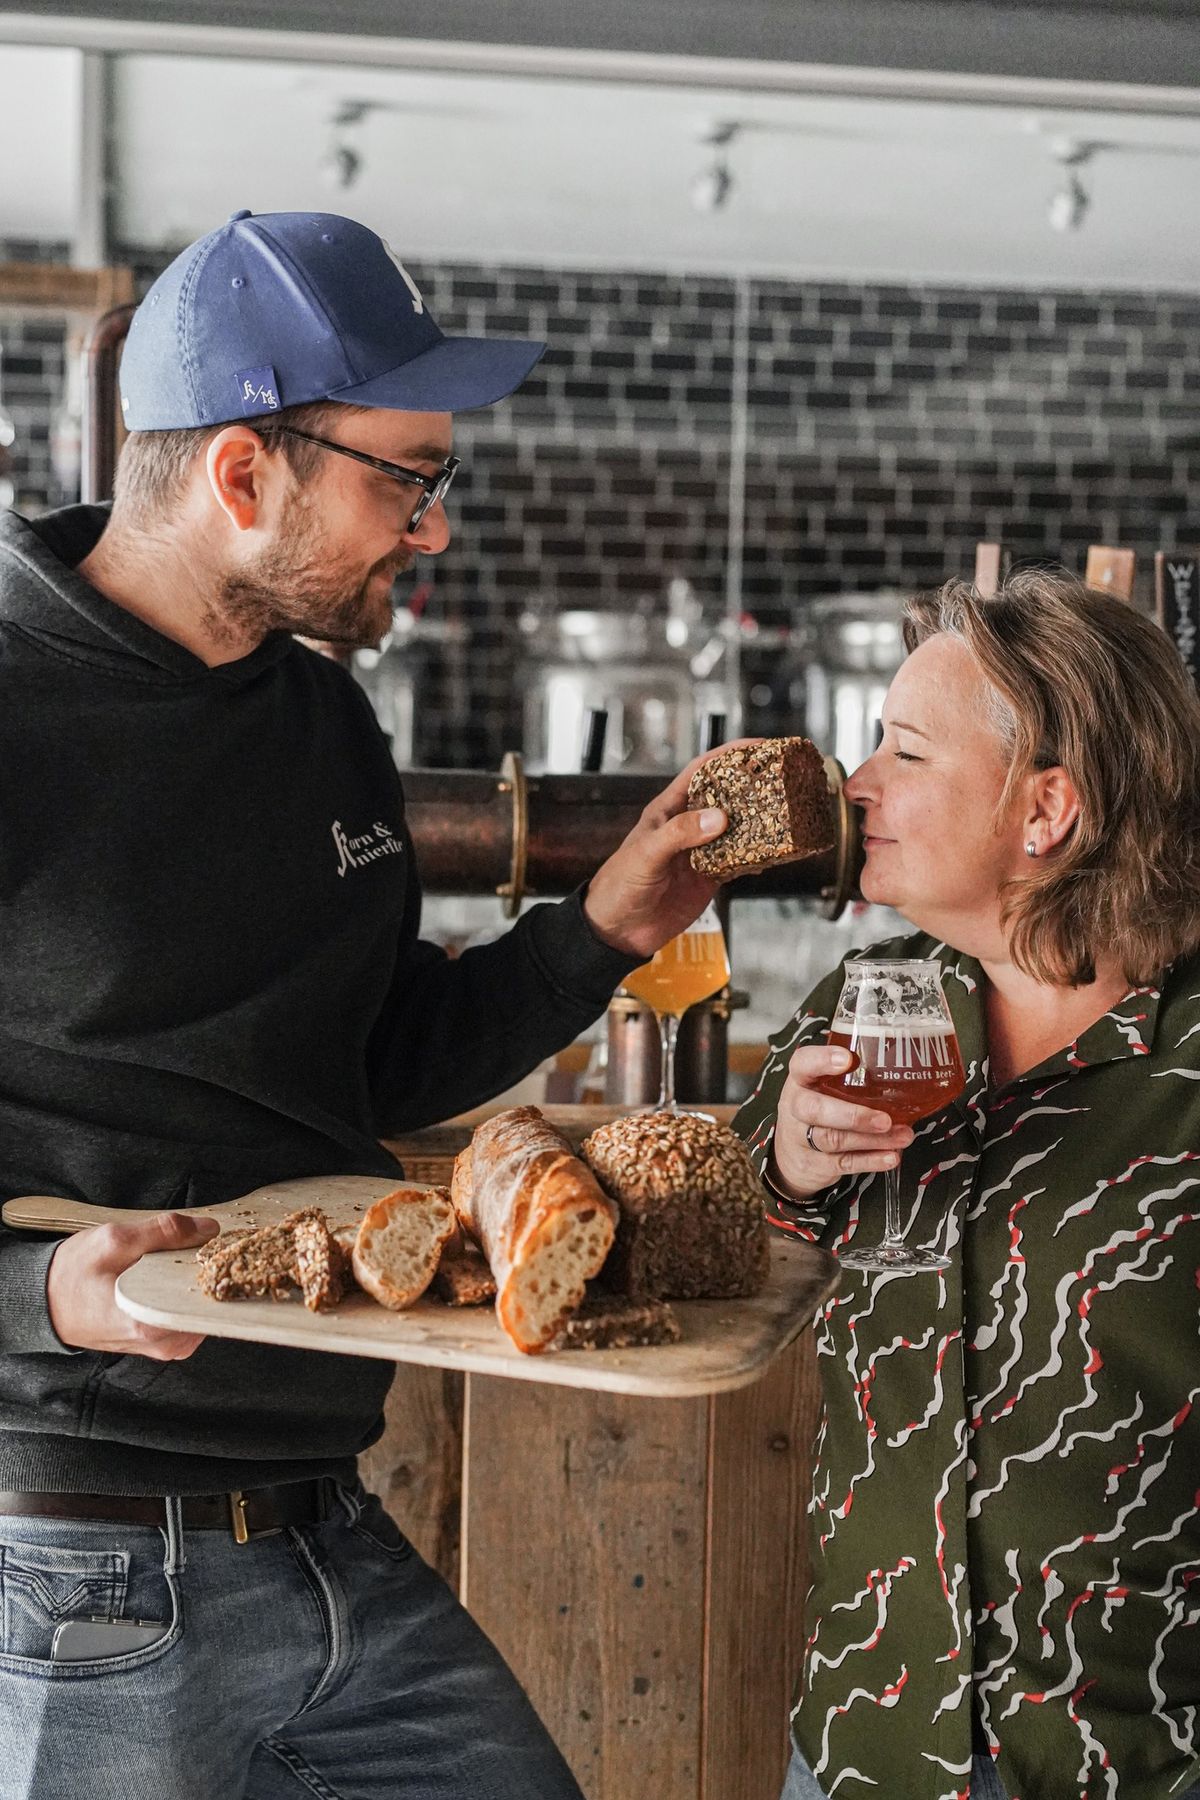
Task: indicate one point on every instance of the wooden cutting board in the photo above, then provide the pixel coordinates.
(344, 1198)
(725, 1343)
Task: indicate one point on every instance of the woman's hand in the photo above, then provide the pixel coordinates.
(847, 1138)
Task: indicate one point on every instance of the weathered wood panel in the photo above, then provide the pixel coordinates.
(584, 1560)
(64, 289)
(416, 1468)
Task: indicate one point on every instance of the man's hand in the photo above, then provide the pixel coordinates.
(82, 1280)
(648, 892)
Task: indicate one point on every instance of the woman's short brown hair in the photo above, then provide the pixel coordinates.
(1086, 683)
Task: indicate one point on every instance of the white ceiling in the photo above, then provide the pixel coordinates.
(559, 171)
(39, 141)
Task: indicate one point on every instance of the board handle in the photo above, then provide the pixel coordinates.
(42, 1212)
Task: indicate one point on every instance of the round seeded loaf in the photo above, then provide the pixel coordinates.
(691, 1221)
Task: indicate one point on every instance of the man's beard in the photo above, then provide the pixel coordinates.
(297, 584)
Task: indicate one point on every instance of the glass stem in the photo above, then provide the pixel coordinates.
(668, 1031)
(893, 1237)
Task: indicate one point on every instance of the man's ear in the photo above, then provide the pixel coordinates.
(240, 475)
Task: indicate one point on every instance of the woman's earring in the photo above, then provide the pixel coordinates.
(1031, 848)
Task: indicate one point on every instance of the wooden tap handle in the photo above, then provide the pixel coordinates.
(1111, 569)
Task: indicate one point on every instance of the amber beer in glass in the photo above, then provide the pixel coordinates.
(690, 968)
(892, 1014)
(906, 1074)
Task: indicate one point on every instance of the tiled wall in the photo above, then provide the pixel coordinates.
(32, 376)
(887, 429)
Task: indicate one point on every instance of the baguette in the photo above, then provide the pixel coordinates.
(541, 1217)
(399, 1242)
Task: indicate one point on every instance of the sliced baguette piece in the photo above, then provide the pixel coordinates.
(399, 1243)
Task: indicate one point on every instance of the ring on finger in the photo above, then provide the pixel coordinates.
(811, 1141)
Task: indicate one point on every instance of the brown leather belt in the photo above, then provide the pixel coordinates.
(253, 1513)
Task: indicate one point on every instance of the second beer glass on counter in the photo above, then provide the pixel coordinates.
(690, 968)
(893, 1015)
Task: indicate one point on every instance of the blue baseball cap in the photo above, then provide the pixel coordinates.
(279, 309)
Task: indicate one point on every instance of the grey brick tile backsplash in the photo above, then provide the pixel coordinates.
(888, 428)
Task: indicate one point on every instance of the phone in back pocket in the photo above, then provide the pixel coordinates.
(100, 1635)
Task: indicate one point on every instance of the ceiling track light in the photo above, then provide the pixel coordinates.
(341, 165)
(1069, 204)
(712, 185)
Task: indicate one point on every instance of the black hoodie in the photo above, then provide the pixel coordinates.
(211, 979)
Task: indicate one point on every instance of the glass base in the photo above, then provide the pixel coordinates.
(901, 1259)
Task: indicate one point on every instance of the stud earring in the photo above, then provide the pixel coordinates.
(1031, 848)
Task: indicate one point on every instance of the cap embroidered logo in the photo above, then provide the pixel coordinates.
(410, 284)
(258, 391)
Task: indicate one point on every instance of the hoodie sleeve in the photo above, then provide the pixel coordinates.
(24, 1312)
(457, 1031)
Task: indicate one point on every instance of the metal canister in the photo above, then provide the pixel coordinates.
(634, 1063)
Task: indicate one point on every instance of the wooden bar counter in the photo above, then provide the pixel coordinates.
(640, 1562)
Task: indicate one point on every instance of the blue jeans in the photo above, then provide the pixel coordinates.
(325, 1663)
(985, 1782)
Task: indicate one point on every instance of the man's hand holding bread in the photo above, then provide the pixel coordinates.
(648, 892)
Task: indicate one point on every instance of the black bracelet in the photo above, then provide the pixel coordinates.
(778, 1192)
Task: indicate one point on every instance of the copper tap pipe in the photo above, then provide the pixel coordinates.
(525, 836)
(101, 355)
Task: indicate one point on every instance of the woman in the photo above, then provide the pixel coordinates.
(1006, 1515)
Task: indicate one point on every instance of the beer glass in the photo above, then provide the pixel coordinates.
(691, 967)
(893, 1015)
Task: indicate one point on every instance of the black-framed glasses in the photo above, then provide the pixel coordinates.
(436, 487)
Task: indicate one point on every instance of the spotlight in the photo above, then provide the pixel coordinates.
(340, 166)
(1068, 207)
(711, 187)
(1070, 202)
(713, 184)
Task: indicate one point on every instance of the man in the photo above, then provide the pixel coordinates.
(211, 980)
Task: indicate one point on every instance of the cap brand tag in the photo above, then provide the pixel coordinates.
(258, 391)
(418, 304)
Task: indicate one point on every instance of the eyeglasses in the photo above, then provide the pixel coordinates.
(436, 486)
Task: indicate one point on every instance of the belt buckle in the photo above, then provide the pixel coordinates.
(237, 1517)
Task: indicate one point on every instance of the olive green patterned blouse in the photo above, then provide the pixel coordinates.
(1007, 1491)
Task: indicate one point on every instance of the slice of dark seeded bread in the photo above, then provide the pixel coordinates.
(464, 1277)
(263, 1264)
(776, 795)
(618, 1322)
